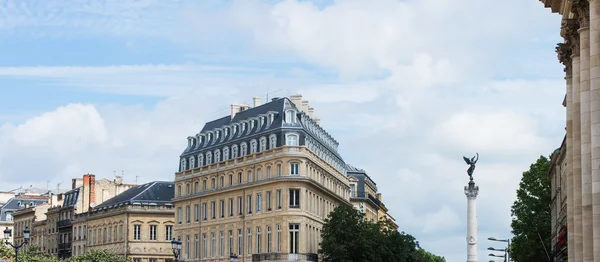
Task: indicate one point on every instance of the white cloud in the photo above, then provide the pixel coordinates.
(444, 219)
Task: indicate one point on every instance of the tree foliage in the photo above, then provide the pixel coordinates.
(348, 237)
(98, 255)
(531, 214)
(34, 254)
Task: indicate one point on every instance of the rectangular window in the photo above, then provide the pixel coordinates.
(269, 239)
(204, 211)
(168, 232)
(258, 240)
(152, 232)
(268, 172)
(294, 169)
(230, 241)
(352, 189)
(249, 176)
(258, 202)
(196, 247)
(213, 245)
(137, 232)
(196, 212)
(221, 244)
(231, 207)
(294, 238)
(278, 239)
(239, 206)
(294, 198)
(213, 209)
(204, 185)
(196, 187)
(249, 204)
(187, 214)
(179, 214)
(204, 246)
(268, 200)
(249, 239)
(258, 174)
(222, 208)
(279, 170)
(278, 199)
(187, 247)
(240, 241)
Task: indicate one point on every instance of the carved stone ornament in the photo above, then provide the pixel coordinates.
(563, 52)
(471, 240)
(570, 27)
(471, 191)
(581, 9)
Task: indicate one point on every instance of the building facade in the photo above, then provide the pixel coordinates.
(8, 210)
(558, 208)
(137, 224)
(580, 53)
(258, 183)
(26, 218)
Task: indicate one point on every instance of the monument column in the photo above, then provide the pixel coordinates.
(572, 37)
(582, 13)
(594, 24)
(471, 191)
(564, 56)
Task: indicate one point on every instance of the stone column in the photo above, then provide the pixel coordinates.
(471, 191)
(564, 56)
(594, 23)
(573, 39)
(581, 10)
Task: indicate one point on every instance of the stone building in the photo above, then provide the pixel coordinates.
(258, 183)
(580, 54)
(558, 208)
(7, 211)
(364, 196)
(137, 224)
(26, 217)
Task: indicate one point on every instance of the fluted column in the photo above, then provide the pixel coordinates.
(582, 13)
(564, 56)
(595, 119)
(573, 39)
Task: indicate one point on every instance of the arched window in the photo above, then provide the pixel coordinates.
(291, 139)
(225, 153)
(9, 216)
(272, 141)
(290, 116)
(252, 146)
(200, 159)
(263, 144)
(234, 151)
(217, 155)
(208, 158)
(243, 149)
(183, 164)
(192, 162)
(179, 190)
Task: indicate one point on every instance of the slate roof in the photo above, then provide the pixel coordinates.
(70, 197)
(157, 192)
(13, 205)
(275, 105)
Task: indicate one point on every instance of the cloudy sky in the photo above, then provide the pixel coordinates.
(406, 87)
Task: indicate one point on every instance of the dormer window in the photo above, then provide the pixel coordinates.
(263, 144)
(200, 159)
(271, 118)
(234, 129)
(272, 141)
(217, 155)
(290, 116)
(243, 149)
(217, 135)
(234, 151)
(183, 164)
(208, 158)
(251, 124)
(260, 122)
(291, 139)
(192, 162)
(253, 146)
(243, 127)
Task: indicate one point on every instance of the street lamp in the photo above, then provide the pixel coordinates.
(233, 257)
(176, 246)
(506, 251)
(8, 233)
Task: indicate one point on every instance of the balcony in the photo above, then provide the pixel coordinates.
(285, 257)
(63, 223)
(64, 246)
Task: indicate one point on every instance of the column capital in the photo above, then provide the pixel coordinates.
(471, 191)
(564, 53)
(581, 10)
(569, 28)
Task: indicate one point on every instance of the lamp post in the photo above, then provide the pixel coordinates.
(506, 251)
(8, 233)
(176, 246)
(233, 257)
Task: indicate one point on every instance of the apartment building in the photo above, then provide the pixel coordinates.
(258, 183)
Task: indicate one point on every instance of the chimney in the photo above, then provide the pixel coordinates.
(305, 106)
(379, 197)
(234, 109)
(118, 180)
(297, 100)
(311, 111)
(92, 190)
(256, 100)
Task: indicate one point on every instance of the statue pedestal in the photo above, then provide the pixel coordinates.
(471, 191)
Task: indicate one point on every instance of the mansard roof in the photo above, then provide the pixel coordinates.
(153, 193)
(276, 106)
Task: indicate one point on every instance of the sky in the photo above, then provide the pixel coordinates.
(407, 88)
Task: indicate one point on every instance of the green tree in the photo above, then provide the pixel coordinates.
(97, 255)
(531, 214)
(348, 237)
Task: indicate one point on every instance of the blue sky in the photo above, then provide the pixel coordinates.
(406, 87)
